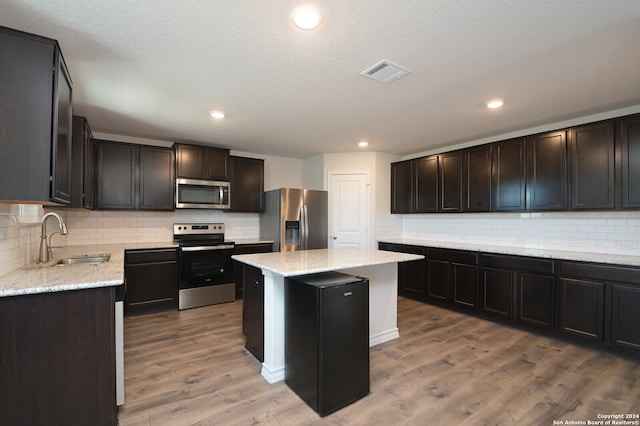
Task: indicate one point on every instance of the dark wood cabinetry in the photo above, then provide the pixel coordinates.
(519, 288)
(157, 178)
(450, 182)
(83, 160)
(58, 358)
(402, 199)
(600, 303)
(132, 177)
(592, 166)
(151, 277)
(238, 270)
(629, 142)
(202, 162)
(546, 166)
(425, 184)
(35, 100)
(508, 175)
(476, 179)
(411, 275)
(247, 184)
(253, 311)
(453, 277)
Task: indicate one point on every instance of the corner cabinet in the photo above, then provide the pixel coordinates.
(202, 162)
(135, 177)
(247, 184)
(36, 105)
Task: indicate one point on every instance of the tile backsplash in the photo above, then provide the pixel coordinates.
(19, 239)
(595, 232)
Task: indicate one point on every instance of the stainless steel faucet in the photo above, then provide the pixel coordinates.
(45, 247)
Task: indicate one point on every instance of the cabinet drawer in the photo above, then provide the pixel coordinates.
(150, 256)
(601, 272)
(253, 248)
(529, 264)
(464, 257)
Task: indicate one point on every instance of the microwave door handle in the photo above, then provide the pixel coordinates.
(221, 192)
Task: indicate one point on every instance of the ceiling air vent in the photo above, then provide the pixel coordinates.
(385, 72)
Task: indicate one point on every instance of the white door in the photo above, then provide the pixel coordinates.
(349, 206)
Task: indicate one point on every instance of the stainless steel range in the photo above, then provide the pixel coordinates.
(206, 268)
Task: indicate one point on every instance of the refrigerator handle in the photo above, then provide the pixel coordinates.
(304, 224)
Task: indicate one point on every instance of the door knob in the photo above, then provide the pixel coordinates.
(333, 237)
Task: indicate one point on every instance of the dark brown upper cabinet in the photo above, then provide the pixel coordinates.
(202, 162)
(425, 184)
(508, 175)
(414, 185)
(450, 182)
(592, 166)
(35, 123)
(82, 172)
(546, 167)
(247, 184)
(476, 179)
(629, 142)
(402, 187)
(135, 177)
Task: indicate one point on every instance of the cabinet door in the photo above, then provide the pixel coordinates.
(451, 182)
(82, 171)
(26, 91)
(189, 161)
(476, 185)
(117, 181)
(546, 171)
(438, 280)
(253, 311)
(630, 160)
(535, 299)
(238, 267)
(464, 281)
(497, 292)
(157, 178)
(247, 184)
(402, 187)
(507, 175)
(625, 321)
(592, 166)
(151, 287)
(216, 164)
(425, 181)
(89, 170)
(582, 308)
(61, 146)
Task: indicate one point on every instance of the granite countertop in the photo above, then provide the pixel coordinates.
(42, 278)
(580, 256)
(312, 261)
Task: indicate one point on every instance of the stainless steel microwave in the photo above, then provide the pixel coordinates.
(202, 194)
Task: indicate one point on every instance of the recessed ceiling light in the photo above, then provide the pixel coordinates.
(306, 17)
(495, 103)
(217, 114)
(363, 144)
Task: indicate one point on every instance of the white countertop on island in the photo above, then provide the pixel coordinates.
(44, 278)
(292, 263)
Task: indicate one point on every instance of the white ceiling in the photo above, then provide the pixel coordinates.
(155, 68)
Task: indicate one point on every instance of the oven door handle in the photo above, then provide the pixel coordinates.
(208, 248)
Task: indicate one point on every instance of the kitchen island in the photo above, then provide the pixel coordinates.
(379, 266)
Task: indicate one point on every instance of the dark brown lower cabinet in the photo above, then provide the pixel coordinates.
(453, 277)
(438, 280)
(582, 308)
(519, 288)
(238, 267)
(625, 316)
(411, 275)
(253, 311)
(58, 358)
(151, 278)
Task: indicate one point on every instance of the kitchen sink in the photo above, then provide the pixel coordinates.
(84, 259)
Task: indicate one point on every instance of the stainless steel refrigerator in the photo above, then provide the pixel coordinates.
(295, 219)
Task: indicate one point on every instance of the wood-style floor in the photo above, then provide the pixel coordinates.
(190, 367)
